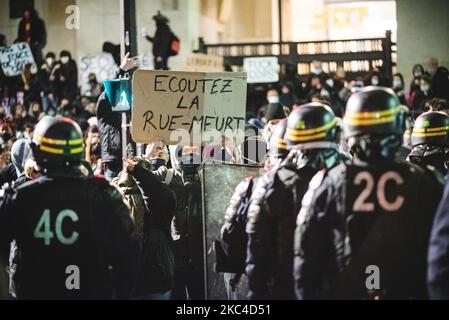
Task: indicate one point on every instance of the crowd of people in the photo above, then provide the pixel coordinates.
(354, 177)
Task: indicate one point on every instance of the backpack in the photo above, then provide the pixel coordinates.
(175, 45)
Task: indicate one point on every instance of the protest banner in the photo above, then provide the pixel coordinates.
(14, 58)
(261, 69)
(200, 62)
(102, 65)
(188, 107)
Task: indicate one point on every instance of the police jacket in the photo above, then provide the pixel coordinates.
(363, 230)
(74, 238)
(271, 224)
(438, 256)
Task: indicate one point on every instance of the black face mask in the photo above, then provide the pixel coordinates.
(157, 163)
(190, 164)
(5, 136)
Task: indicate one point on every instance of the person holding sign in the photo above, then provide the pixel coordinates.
(364, 226)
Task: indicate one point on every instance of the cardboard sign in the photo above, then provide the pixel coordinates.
(118, 92)
(261, 69)
(14, 58)
(102, 65)
(181, 107)
(200, 62)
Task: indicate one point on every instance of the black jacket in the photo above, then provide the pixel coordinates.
(161, 41)
(275, 203)
(438, 257)
(38, 31)
(356, 216)
(109, 126)
(8, 174)
(66, 223)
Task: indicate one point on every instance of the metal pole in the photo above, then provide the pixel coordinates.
(280, 20)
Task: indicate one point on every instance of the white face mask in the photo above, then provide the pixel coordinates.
(317, 70)
(49, 61)
(64, 59)
(425, 87)
(397, 84)
(33, 69)
(273, 99)
(374, 81)
(330, 82)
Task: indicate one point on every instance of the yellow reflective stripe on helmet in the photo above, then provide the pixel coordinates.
(51, 141)
(59, 142)
(306, 138)
(369, 122)
(430, 129)
(51, 150)
(372, 114)
(75, 141)
(76, 150)
(430, 134)
(300, 132)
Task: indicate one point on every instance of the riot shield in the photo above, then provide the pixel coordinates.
(219, 183)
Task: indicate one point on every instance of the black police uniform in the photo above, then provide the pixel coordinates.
(354, 217)
(58, 222)
(363, 229)
(276, 201)
(73, 233)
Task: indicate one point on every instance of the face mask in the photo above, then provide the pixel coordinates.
(157, 163)
(33, 69)
(190, 164)
(64, 59)
(374, 81)
(424, 87)
(49, 61)
(330, 82)
(317, 71)
(273, 99)
(397, 84)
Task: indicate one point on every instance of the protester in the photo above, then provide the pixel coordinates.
(32, 30)
(162, 41)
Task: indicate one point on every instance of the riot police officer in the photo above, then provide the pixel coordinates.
(231, 249)
(311, 137)
(363, 228)
(73, 232)
(430, 140)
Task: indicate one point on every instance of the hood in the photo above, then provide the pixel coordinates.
(20, 152)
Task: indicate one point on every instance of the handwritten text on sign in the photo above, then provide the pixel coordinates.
(14, 58)
(168, 105)
(261, 69)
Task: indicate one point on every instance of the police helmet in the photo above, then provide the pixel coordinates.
(431, 128)
(57, 141)
(373, 110)
(311, 123)
(278, 146)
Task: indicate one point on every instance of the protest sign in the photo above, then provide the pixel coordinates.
(261, 69)
(200, 62)
(102, 65)
(14, 58)
(188, 107)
